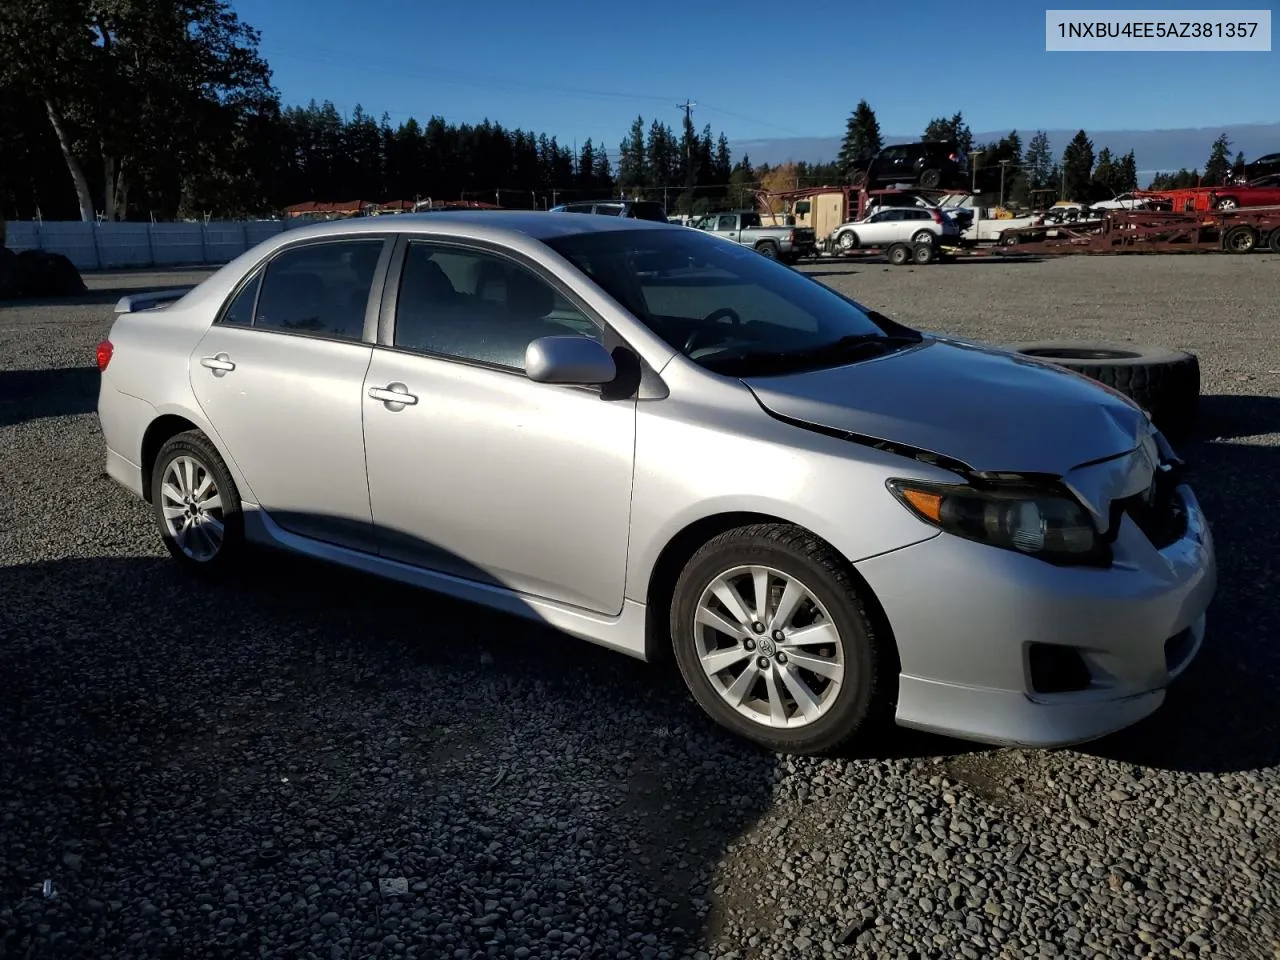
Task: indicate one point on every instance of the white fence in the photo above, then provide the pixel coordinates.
(111, 245)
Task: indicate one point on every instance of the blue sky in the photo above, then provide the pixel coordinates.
(581, 70)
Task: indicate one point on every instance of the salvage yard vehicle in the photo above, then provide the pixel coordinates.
(928, 163)
(890, 225)
(1262, 192)
(787, 244)
(627, 209)
(656, 440)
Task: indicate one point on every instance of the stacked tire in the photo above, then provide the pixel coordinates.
(1164, 382)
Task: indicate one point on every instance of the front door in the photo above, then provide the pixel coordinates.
(481, 473)
(280, 377)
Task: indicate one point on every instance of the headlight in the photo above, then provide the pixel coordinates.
(1039, 523)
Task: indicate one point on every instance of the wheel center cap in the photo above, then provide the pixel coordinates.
(766, 646)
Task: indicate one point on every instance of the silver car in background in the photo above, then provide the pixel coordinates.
(658, 441)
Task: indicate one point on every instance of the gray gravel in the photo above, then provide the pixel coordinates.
(305, 763)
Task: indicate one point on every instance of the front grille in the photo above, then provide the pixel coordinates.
(1162, 519)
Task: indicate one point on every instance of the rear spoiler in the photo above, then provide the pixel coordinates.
(135, 302)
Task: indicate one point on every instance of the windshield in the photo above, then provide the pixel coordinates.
(722, 304)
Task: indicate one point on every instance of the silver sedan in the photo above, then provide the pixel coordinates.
(661, 442)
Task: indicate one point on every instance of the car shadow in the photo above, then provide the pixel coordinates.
(58, 392)
(295, 718)
(1220, 715)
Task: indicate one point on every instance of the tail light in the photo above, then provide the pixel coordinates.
(937, 216)
(791, 237)
(103, 353)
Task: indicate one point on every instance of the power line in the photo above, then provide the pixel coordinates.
(342, 61)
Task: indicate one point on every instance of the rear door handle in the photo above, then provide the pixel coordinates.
(219, 364)
(395, 395)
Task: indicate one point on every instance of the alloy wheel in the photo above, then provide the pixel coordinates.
(768, 646)
(192, 508)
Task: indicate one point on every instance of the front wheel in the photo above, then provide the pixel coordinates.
(195, 503)
(773, 642)
(847, 240)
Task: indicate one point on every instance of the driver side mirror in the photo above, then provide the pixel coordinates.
(569, 360)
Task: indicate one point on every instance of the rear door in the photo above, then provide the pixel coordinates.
(279, 376)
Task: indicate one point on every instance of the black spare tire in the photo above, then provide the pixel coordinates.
(1164, 382)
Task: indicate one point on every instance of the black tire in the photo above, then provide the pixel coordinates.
(847, 240)
(859, 178)
(923, 253)
(1227, 203)
(1273, 242)
(1241, 239)
(899, 254)
(767, 249)
(795, 553)
(929, 179)
(1164, 382)
(1008, 239)
(922, 236)
(196, 446)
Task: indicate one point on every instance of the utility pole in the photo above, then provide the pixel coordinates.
(1004, 165)
(687, 107)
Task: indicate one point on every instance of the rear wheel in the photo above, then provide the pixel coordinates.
(773, 641)
(923, 253)
(768, 249)
(1240, 239)
(899, 253)
(1274, 241)
(922, 236)
(195, 503)
(930, 179)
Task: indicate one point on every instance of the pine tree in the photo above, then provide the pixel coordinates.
(1038, 162)
(1128, 177)
(1077, 167)
(862, 138)
(1219, 164)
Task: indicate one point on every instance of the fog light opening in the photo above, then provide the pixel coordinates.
(1056, 669)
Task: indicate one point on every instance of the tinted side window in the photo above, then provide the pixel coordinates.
(474, 305)
(727, 223)
(320, 289)
(609, 209)
(239, 311)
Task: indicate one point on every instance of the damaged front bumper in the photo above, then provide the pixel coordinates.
(1008, 649)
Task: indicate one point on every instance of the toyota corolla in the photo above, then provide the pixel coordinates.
(657, 441)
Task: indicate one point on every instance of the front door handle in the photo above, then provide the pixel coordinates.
(395, 395)
(219, 365)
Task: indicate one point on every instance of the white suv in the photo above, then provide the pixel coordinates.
(896, 225)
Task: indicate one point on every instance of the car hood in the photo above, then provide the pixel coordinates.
(990, 410)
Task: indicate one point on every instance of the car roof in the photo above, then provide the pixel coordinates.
(475, 224)
(512, 228)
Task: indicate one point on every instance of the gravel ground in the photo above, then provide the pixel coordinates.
(305, 763)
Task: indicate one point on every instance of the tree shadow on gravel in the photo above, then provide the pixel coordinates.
(33, 394)
(124, 283)
(1220, 715)
(243, 765)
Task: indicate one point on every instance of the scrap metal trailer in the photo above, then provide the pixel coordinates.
(1241, 230)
